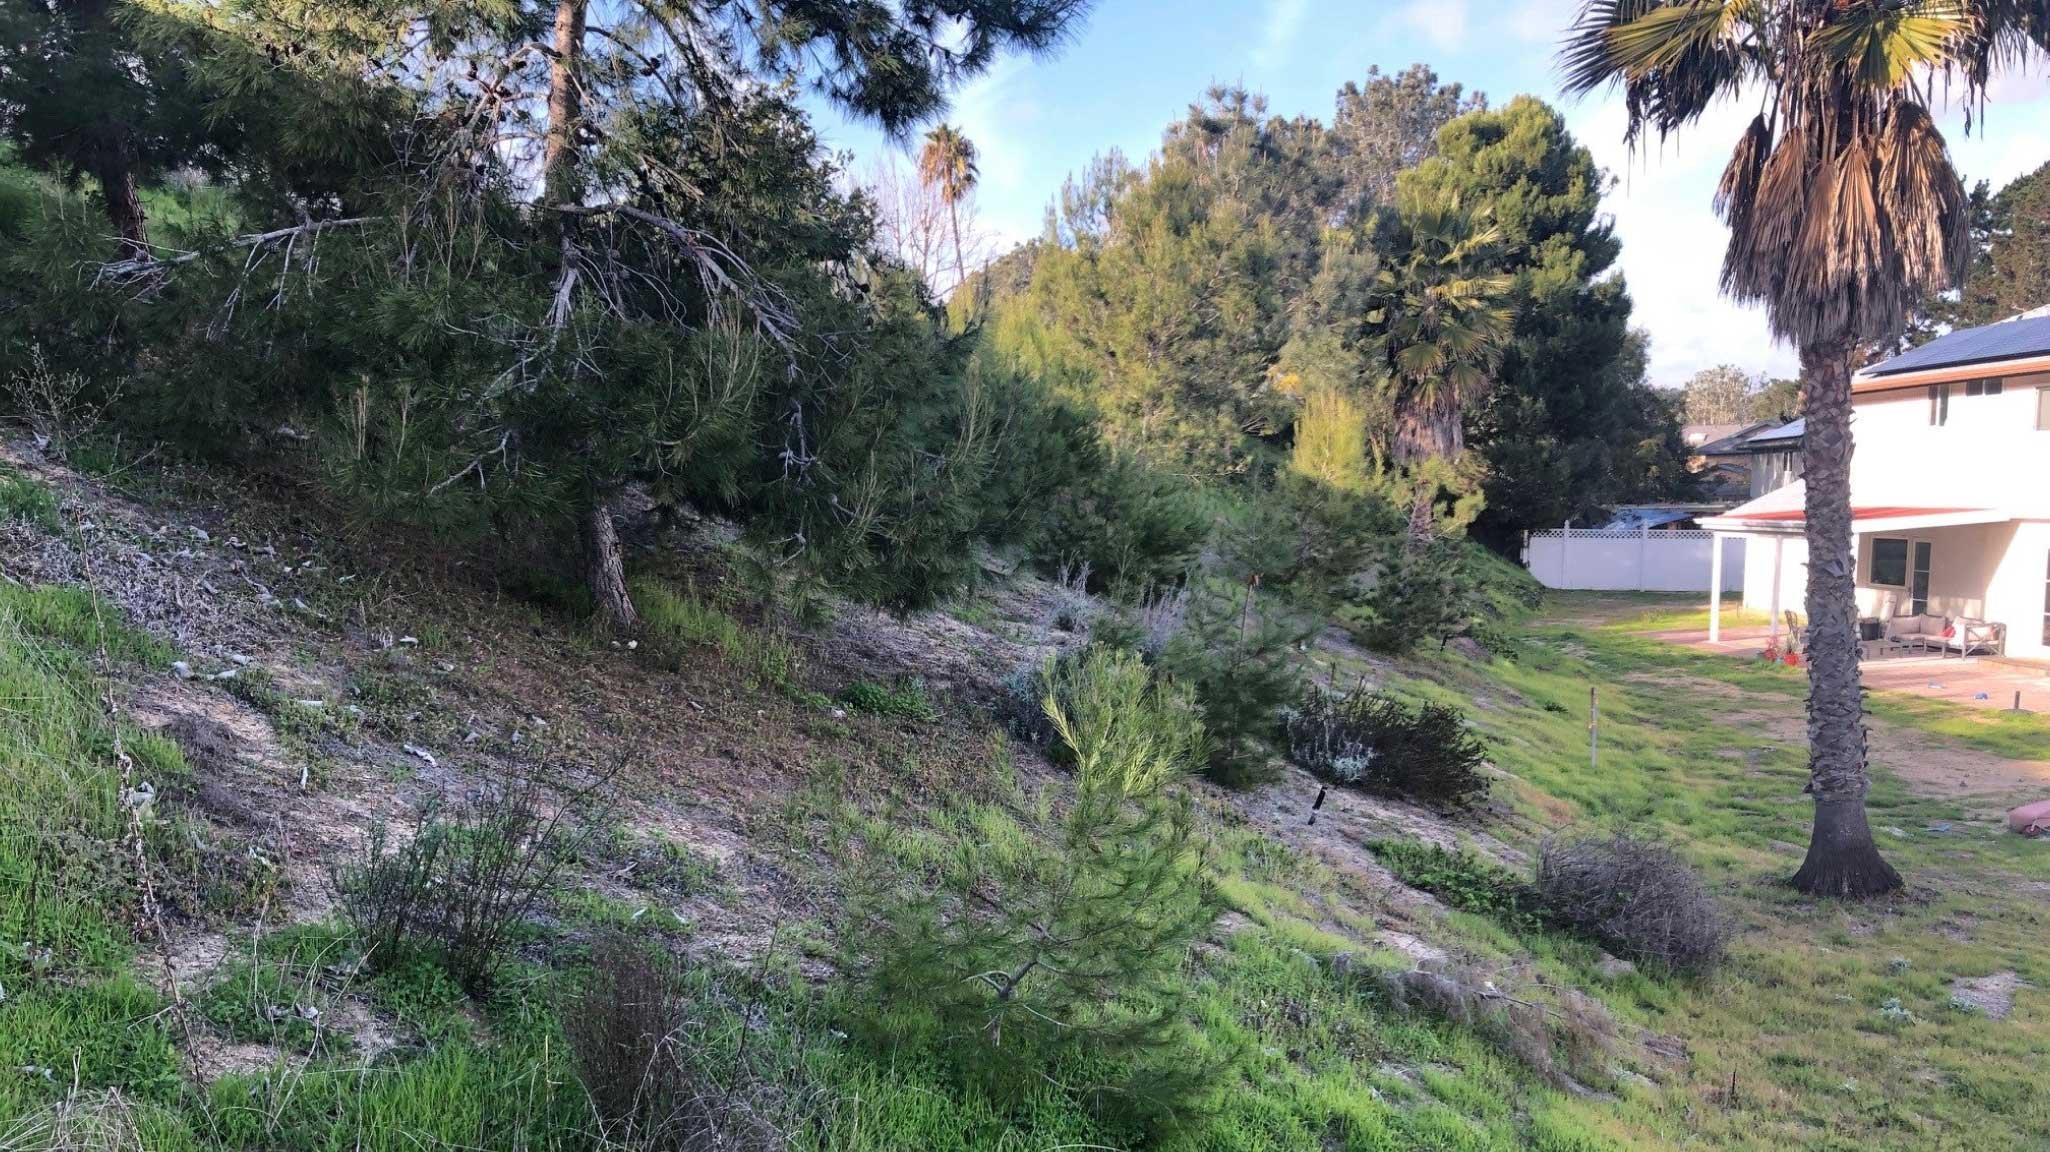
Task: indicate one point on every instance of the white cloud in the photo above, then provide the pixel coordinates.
(1442, 23)
(1284, 20)
(1673, 243)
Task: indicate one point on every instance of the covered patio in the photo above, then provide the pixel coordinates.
(1978, 681)
(1906, 561)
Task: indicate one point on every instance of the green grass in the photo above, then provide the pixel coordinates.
(903, 700)
(1704, 753)
(1833, 1021)
(22, 498)
(679, 622)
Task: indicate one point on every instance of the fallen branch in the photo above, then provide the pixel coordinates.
(137, 267)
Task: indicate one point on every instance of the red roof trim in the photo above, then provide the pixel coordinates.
(1880, 513)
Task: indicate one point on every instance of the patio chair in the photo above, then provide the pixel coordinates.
(1965, 637)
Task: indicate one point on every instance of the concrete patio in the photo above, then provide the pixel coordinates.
(1961, 680)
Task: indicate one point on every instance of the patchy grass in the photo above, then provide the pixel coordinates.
(902, 700)
(677, 622)
(22, 499)
(1797, 1020)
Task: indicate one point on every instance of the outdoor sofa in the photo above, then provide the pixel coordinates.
(1944, 635)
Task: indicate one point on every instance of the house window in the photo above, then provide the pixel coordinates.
(1982, 387)
(1889, 563)
(1939, 405)
(2043, 409)
(2046, 604)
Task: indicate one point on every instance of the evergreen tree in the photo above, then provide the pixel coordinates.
(1388, 124)
(82, 97)
(1059, 961)
(516, 259)
(2010, 269)
(1569, 425)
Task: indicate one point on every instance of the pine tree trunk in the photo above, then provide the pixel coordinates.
(605, 569)
(565, 105)
(1422, 517)
(116, 173)
(1842, 858)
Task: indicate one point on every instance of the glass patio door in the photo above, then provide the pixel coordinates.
(1919, 582)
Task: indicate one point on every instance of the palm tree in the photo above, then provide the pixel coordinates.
(947, 165)
(1439, 316)
(1844, 212)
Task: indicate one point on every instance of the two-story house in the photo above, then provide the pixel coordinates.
(1950, 492)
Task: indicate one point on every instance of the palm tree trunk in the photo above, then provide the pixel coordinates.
(960, 262)
(1842, 858)
(605, 568)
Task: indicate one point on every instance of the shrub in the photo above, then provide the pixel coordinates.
(1462, 880)
(626, 1025)
(1132, 526)
(1374, 742)
(462, 884)
(1639, 899)
(903, 700)
(1417, 598)
(1240, 663)
(1057, 958)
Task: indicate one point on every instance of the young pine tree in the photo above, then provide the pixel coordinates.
(1057, 959)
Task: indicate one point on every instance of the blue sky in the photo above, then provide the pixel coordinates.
(1135, 65)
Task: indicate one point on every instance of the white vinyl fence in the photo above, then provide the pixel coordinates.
(1631, 560)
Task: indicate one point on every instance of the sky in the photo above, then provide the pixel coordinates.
(1134, 66)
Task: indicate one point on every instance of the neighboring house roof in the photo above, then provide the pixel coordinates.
(1785, 510)
(1727, 438)
(1775, 439)
(1628, 519)
(2022, 342)
(1695, 435)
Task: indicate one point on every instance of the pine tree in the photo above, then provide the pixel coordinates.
(1061, 961)
(518, 258)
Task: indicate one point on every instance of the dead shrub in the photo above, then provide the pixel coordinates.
(1572, 1039)
(642, 1055)
(463, 881)
(1639, 899)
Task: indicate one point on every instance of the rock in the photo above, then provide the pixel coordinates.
(1342, 965)
(183, 670)
(1613, 967)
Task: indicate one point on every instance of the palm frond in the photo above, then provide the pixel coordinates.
(1883, 44)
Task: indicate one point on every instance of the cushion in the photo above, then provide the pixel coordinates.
(2030, 819)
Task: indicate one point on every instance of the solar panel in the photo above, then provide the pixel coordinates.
(2007, 340)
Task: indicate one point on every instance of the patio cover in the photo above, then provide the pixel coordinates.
(1784, 510)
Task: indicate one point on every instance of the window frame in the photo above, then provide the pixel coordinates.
(1907, 562)
(1939, 405)
(2043, 408)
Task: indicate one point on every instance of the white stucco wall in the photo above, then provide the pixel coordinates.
(2016, 595)
(1988, 455)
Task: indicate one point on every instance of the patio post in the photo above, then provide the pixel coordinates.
(1715, 587)
(1779, 547)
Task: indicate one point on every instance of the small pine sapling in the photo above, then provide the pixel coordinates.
(1025, 968)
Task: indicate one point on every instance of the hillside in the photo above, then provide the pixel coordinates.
(216, 696)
